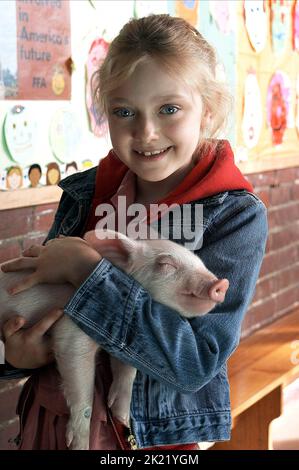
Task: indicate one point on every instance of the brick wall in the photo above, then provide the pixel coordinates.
(277, 289)
(19, 228)
(9, 422)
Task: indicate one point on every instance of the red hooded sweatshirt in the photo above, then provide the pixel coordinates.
(216, 172)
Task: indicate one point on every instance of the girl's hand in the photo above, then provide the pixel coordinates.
(29, 348)
(63, 259)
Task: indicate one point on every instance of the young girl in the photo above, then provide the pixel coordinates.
(164, 106)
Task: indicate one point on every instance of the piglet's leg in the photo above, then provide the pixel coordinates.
(75, 355)
(120, 393)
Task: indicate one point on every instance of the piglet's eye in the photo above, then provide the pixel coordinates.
(166, 268)
(166, 264)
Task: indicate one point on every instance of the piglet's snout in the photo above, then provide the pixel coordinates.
(218, 290)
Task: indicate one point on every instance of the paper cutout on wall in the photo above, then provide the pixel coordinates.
(296, 26)
(278, 105)
(20, 135)
(222, 14)
(65, 135)
(14, 177)
(96, 55)
(86, 164)
(297, 106)
(187, 9)
(53, 174)
(256, 23)
(252, 113)
(280, 24)
(34, 175)
(70, 169)
(58, 79)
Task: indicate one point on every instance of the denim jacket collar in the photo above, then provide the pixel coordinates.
(80, 186)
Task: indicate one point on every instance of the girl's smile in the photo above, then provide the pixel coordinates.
(153, 155)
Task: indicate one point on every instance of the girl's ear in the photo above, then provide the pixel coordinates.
(206, 119)
(114, 246)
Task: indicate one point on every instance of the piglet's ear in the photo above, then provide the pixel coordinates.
(114, 246)
(166, 263)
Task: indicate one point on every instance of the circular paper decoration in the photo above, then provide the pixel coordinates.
(20, 135)
(96, 55)
(252, 115)
(256, 23)
(296, 27)
(278, 105)
(280, 24)
(65, 135)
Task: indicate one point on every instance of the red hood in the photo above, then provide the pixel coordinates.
(215, 173)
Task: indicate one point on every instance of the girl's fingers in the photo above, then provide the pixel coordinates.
(55, 240)
(32, 251)
(12, 325)
(18, 265)
(47, 321)
(25, 284)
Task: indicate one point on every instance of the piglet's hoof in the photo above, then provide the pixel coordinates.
(78, 429)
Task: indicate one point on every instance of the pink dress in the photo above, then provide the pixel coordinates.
(44, 414)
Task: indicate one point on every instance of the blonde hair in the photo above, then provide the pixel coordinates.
(181, 50)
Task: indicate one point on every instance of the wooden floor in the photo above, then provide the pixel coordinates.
(259, 369)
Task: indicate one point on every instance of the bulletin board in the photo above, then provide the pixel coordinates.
(50, 49)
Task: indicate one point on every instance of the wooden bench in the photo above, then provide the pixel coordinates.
(259, 369)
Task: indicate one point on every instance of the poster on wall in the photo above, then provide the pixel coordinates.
(35, 50)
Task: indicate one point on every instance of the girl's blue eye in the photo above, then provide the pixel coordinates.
(169, 109)
(123, 112)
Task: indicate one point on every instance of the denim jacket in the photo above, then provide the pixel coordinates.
(181, 391)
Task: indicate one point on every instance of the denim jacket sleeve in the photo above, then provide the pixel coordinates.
(120, 315)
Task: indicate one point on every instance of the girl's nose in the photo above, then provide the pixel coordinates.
(146, 130)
